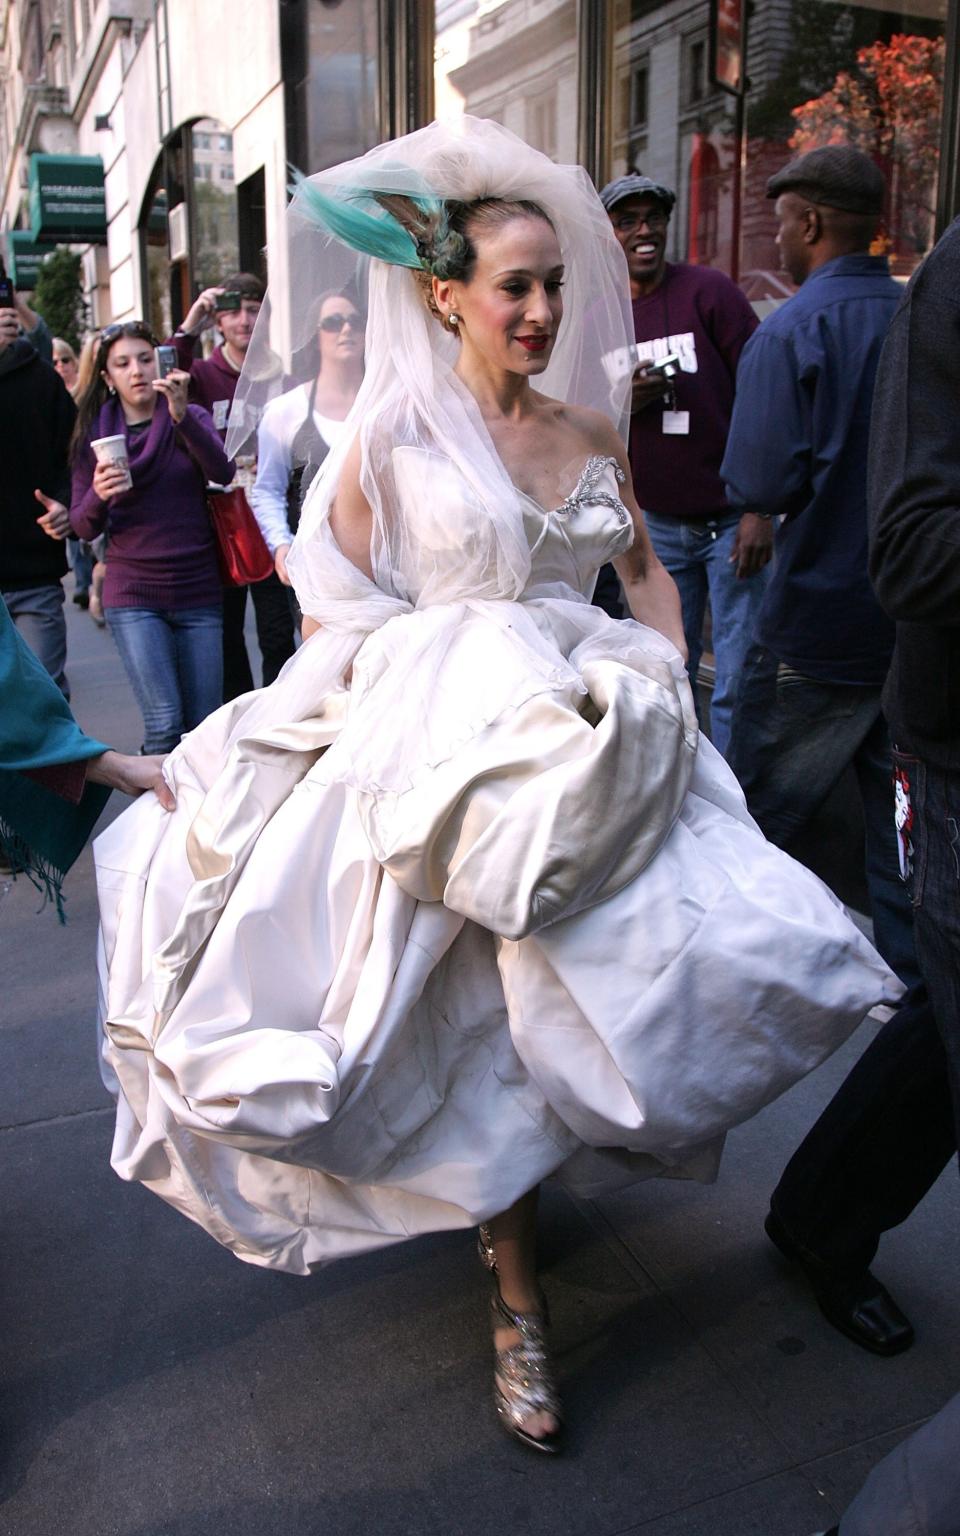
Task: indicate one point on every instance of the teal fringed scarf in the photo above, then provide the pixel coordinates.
(41, 833)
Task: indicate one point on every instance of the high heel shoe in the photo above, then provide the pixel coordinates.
(523, 1382)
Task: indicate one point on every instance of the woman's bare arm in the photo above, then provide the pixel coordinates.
(650, 590)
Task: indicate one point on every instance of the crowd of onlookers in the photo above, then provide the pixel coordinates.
(760, 477)
(122, 456)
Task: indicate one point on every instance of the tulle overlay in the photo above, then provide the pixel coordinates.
(458, 903)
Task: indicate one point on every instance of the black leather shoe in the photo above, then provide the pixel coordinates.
(856, 1305)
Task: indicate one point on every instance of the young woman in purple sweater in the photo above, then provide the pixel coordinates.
(162, 593)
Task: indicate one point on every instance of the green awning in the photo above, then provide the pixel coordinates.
(68, 204)
(25, 259)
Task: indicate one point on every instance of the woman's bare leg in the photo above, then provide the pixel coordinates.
(514, 1234)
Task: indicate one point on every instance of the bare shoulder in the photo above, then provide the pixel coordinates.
(598, 432)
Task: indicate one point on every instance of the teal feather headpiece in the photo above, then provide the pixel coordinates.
(406, 230)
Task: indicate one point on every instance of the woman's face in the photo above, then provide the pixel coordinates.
(131, 368)
(339, 331)
(66, 365)
(511, 308)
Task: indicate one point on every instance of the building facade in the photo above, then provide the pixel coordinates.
(197, 112)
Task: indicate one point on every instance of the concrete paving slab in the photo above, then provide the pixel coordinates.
(778, 1506)
(153, 1369)
(705, 1248)
(840, 1476)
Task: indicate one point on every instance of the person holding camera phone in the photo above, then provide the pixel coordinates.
(233, 307)
(678, 432)
(30, 326)
(36, 420)
(140, 456)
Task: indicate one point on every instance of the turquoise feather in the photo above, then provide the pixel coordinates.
(370, 229)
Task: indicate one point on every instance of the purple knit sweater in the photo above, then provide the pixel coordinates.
(162, 552)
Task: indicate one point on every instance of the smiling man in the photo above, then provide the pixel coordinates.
(678, 434)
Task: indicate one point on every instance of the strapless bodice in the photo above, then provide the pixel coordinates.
(570, 543)
(449, 533)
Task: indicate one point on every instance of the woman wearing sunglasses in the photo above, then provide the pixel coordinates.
(298, 429)
(162, 592)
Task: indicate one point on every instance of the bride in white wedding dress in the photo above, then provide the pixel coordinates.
(461, 901)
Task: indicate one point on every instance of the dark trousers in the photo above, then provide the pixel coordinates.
(882, 1141)
(888, 1132)
(934, 795)
(275, 634)
(792, 739)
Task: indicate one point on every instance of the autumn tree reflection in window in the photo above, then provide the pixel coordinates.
(888, 106)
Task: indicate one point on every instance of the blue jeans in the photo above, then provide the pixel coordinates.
(38, 615)
(935, 886)
(697, 555)
(792, 739)
(81, 560)
(174, 660)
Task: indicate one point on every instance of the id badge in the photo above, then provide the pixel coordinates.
(676, 423)
(220, 408)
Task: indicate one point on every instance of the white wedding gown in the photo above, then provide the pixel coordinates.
(483, 912)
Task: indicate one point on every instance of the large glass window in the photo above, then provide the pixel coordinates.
(514, 61)
(819, 73)
(330, 53)
(157, 308)
(214, 245)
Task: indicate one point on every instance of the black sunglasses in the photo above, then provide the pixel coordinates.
(136, 328)
(334, 324)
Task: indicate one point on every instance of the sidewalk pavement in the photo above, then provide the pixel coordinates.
(155, 1386)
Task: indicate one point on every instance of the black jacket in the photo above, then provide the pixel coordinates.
(36, 419)
(914, 493)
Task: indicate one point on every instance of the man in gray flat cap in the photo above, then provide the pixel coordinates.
(678, 432)
(809, 708)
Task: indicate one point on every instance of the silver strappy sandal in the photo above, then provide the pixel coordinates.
(523, 1381)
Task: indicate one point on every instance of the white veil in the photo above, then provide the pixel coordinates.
(411, 400)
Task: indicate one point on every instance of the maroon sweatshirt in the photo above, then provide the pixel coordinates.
(213, 383)
(699, 313)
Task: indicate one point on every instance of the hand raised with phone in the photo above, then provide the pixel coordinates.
(175, 387)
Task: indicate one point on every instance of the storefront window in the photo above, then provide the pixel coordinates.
(214, 244)
(514, 61)
(819, 73)
(329, 56)
(156, 260)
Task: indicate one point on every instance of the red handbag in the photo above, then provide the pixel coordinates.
(241, 551)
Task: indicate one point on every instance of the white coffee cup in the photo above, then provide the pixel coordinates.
(113, 450)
